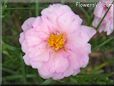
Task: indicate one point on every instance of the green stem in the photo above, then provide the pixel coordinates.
(23, 69)
(15, 77)
(105, 42)
(37, 7)
(62, 1)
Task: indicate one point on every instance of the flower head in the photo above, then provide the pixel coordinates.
(56, 43)
(99, 12)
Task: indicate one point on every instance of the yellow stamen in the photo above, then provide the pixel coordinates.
(56, 41)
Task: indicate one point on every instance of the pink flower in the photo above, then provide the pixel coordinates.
(99, 12)
(56, 43)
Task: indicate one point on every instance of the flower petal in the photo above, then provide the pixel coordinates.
(44, 71)
(87, 33)
(69, 22)
(99, 10)
(26, 59)
(28, 23)
(21, 39)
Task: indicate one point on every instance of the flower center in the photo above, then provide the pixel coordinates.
(56, 41)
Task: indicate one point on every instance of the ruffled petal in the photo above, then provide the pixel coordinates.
(44, 71)
(60, 64)
(87, 33)
(99, 10)
(69, 22)
(32, 37)
(28, 23)
(26, 59)
(21, 38)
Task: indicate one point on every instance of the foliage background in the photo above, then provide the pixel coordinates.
(100, 69)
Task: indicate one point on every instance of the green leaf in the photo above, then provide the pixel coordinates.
(47, 82)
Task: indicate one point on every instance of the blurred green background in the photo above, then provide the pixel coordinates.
(100, 69)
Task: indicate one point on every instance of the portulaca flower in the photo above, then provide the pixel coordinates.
(108, 21)
(55, 43)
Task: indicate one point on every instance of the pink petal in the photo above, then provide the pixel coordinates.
(99, 10)
(26, 59)
(69, 22)
(21, 39)
(28, 23)
(57, 76)
(96, 21)
(41, 25)
(32, 38)
(24, 46)
(60, 63)
(53, 14)
(87, 33)
(44, 71)
(63, 17)
(43, 57)
(37, 50)
(76, 71)
(78, 57)
(36, 64)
